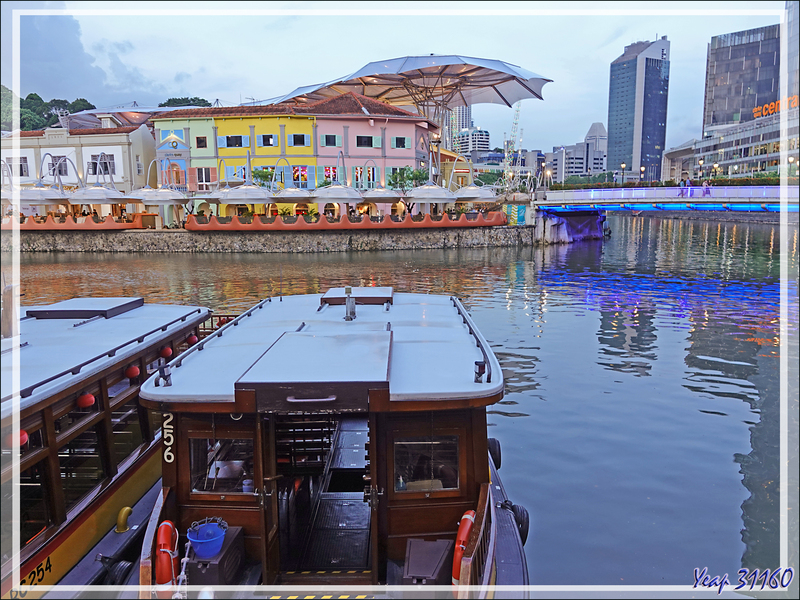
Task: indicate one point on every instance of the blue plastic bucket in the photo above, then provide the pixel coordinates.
(207, 537)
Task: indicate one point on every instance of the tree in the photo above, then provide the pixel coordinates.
(193, 101)
(489, 178)
(79, 105)
(29, 121)
(6, 108)
(404, 179)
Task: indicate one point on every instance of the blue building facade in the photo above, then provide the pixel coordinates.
(637, 109)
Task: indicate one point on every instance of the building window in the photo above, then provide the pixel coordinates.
(331, 140)
(364, 178)
(233, 141)
(19, 166)
(204, 175)
(267, 140)
(300, 176)
(330, 174)
(368, 141)
(105, 167)
(298, 139)
(404, 142)
(62, 165)
(201, 142)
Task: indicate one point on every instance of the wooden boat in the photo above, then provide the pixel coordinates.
(88, 452)
(342, 438)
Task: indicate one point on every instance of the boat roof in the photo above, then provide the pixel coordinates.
(64, 343)
(418, 345)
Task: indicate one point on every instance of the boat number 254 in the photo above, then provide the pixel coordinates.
(35, 577)
(169, 438)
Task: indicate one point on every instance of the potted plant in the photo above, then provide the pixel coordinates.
(285, 213)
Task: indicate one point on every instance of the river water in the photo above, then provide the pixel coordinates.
(640, 423)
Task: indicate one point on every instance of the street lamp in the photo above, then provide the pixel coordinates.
(641, 175)
(700, 162)
(623, 173)
(716, 166)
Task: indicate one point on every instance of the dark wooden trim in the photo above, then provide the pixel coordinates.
(149, 547)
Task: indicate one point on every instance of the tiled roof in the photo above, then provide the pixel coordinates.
(226, 111)
(91, 131)
(346, 104)
(352, 104)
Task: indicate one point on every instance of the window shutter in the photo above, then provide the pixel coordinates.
(260, 141)
(289, 139)
(338, 141)
(245, 141)
(377, 176)
(221, 142)
(394, 142)
(312, 178)
(213, 174)
(322, 141)
(408, 142)
(274, 139)
(376, 141)
(306, 140)
(229, 172)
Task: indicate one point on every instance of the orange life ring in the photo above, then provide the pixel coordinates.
(464, 529)
(167, 554)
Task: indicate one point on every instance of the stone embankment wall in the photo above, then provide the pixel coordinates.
(332, 241)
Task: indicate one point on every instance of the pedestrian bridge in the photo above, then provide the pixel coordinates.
(730, 198)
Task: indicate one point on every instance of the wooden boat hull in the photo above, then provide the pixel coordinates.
(78, 536)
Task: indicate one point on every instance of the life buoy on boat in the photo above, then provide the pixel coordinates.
(167, 554)
(464, 529)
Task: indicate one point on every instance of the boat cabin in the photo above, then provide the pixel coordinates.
(73, 432)
(327, 431)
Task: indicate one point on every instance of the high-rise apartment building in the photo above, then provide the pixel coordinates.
(473, 139)
(742, 73)
(637, 108)
(460, 119)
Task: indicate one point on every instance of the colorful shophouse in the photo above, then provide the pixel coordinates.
(350, 138)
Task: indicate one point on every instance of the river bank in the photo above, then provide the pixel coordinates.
(179, 240)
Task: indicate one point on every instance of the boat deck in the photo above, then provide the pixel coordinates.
(338, 536)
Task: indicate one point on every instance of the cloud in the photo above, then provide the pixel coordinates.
(181, 77)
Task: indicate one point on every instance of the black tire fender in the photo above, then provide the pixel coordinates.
(523, 521)
(494, 452)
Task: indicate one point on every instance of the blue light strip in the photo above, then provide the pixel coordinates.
(733, 207)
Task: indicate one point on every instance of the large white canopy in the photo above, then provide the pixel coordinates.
(448, 80)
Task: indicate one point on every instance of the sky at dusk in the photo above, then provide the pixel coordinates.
(151, 51)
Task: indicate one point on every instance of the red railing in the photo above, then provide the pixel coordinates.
(69, 224)
(260, 223)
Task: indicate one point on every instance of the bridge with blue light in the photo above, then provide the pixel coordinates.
(752, 199)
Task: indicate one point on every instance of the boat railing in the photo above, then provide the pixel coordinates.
(222, 326)
(109, 353)
(147, 556)
(473, 330)
(476, 562)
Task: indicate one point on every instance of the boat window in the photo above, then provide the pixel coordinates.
(81, 466)
(127, 431)
(221, 465)
(424, 464)
(34, 514)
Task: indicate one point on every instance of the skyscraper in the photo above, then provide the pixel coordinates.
(637, 108)
(460, 119)
(742, 71)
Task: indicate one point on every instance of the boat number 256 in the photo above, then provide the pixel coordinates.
(35, 577)
(169, 438)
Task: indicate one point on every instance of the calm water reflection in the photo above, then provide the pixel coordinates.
(640, 422)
